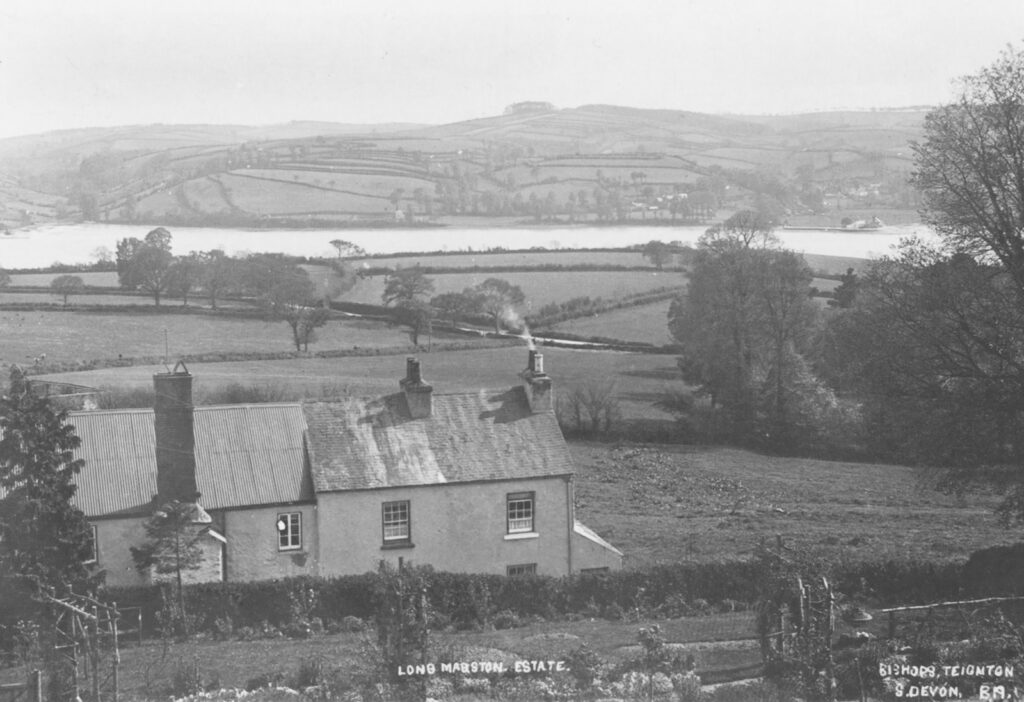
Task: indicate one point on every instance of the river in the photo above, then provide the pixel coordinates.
(77, 243)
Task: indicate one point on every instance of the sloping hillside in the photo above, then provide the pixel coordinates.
(591, 162)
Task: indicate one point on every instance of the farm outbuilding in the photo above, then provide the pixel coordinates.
(465, 482)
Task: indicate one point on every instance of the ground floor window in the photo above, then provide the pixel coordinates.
(396, 521)
(94, 548)
(522, 569)
(289, 531)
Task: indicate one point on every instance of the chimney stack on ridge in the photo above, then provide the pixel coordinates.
(175, 436)
(537, 384)
(417, 393)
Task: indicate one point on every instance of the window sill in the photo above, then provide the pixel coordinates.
(522, 535)
(397, 544)
(297, 549)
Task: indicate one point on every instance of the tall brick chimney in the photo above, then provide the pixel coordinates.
(417, 393)
(537, 384)
(175, 436)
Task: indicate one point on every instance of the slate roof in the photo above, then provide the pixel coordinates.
(250, 455)
(488, 435)
(246, 455)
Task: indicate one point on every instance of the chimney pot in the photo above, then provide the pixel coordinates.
(537, 384)
(535, 362)
(412, 370)
(418, 394)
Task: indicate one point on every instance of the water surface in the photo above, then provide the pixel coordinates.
(78, 243)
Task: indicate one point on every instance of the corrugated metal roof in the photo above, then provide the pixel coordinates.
(489, 435)
(251, 455)
(119, 450)
(245, 455)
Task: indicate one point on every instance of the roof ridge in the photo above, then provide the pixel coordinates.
(398, 391)
(248, 404)
(114, 410)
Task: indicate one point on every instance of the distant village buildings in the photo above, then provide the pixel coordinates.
(465, 482)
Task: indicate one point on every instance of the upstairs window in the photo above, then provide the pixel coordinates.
(521, 569)
(395, 522)
(520, 512)
(289, 531)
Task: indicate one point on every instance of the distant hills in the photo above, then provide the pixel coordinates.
(534, 163)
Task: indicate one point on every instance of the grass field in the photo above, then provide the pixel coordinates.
(526, 258)
(540, 288)
(112, 299)
(80, 336)
(101, 279)
(666, 504)
(640, 379)
(644, 323)
(262, 196)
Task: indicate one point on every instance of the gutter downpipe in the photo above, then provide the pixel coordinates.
(572, 517)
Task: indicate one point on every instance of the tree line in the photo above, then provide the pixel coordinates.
(406, 289)
(275, 281)
(920, 359)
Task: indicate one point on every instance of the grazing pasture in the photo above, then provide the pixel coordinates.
(83, 336)
(639, 380)
(540, 288)
(644, 323)
(370, 178)
(112, 299)
(666, 504)
(524, 258)
(291, 197)
(97, 279)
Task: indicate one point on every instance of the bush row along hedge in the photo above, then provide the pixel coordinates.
(528, 268)
(226, 357)
(585, 306)
(472, 599)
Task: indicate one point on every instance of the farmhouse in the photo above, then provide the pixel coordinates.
(466, 482)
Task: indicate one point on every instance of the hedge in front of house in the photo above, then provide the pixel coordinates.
(466, 600)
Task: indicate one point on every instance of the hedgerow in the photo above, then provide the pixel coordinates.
(472, 600)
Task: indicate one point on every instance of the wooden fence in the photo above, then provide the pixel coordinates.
(967, 613)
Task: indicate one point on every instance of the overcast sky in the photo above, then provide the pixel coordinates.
(105, 62)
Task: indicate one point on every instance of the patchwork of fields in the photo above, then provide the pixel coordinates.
(84, 336)
(540, 288)
(640, 380)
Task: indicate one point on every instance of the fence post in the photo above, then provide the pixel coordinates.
(36, 685)
(830, 627)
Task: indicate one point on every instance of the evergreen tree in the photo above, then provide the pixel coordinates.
(172, 547)
(43, 538)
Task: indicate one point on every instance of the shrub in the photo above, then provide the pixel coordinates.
(352, 624)
(506, 619)
(272, 679)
